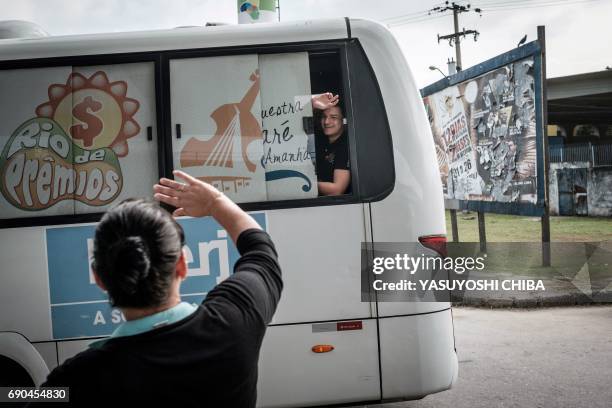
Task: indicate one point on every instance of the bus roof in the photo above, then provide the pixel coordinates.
(173, 39)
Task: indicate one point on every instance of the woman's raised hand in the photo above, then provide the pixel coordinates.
(192, 197)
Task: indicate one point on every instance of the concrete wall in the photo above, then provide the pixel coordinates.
(599, 188)
(553, 191)
(599, 196)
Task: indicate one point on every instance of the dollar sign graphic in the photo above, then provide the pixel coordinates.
(92, 126)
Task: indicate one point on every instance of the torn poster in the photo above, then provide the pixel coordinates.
(485, 135)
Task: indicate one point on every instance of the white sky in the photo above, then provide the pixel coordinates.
(577, 31)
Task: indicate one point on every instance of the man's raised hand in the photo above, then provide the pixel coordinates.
(324, 100)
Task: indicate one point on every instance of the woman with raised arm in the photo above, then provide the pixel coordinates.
(170, 352)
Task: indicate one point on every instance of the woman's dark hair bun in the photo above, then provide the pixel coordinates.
(132, 262)
(136, 249)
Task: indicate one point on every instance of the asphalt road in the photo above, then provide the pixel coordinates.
(556, 357)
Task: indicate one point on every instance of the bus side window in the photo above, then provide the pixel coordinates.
(36, 162)
(76, 139)
(256, 147)
(113, 131)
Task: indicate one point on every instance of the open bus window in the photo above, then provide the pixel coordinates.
(331, 135)
(246, 122)
(332, 152)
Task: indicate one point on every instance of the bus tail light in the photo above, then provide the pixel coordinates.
(436, 243)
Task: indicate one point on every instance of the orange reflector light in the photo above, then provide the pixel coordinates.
(322, 348)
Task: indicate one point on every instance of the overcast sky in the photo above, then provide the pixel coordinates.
(578, 32)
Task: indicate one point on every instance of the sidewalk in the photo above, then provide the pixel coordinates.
(559, 291)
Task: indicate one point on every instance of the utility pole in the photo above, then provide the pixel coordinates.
(546, 217)
(456, 36)
(458, 66)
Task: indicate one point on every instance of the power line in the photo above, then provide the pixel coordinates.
(419, 16)
(507, 3)
(491, 6)
(426, 17)
(542, 5)
(409, 15)
(518, 4)
(405, 16)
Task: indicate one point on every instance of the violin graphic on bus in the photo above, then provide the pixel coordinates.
(237, 129)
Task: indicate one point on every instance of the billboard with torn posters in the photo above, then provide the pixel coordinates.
(486, 125)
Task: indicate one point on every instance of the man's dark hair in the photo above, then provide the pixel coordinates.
(136, 248)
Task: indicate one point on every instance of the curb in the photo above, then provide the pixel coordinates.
(565, 299)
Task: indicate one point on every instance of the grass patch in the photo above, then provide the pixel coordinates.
(517, 228)
(522, 252)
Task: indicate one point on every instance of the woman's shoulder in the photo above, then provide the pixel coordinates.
(79, 368)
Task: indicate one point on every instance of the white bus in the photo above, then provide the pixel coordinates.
(87, 121)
